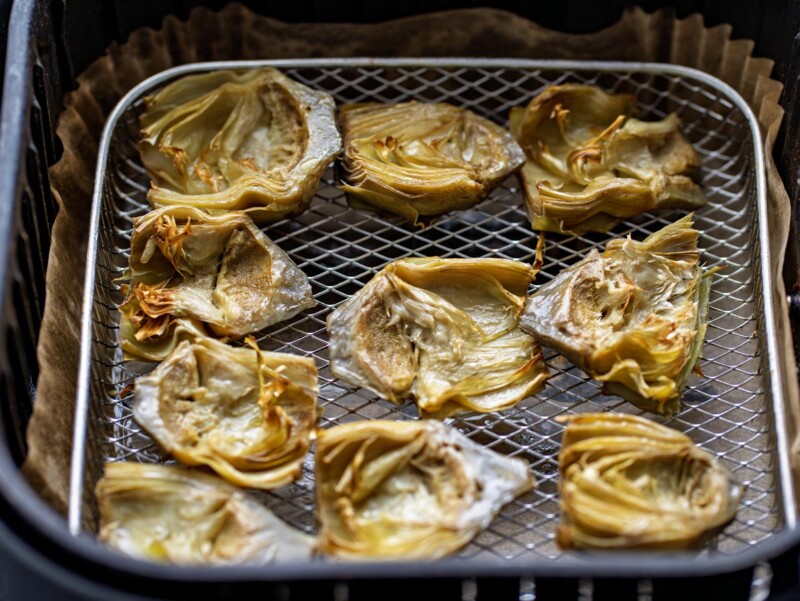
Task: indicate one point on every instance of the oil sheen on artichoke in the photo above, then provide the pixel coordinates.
(633, 317)
(443, 332)
(251, 140)
(408, 490)
(178, 516)
(192, 273)
(629, 483)
(247, 414)
(418, 159)
(590, 164)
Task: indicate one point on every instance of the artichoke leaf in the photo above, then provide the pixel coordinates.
(629, 483)
(408, 490)
(172, 515)
(633, 317)
(443, 332)
(247, 414)
(590, 164)
(220, 274)
(238, 140)
(138, 342)
(418, 160)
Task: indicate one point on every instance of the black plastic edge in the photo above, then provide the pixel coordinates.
(27, 574)
(87, 555)
(14, 112)
(32, 520)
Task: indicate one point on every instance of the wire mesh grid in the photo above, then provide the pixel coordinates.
(726, 411)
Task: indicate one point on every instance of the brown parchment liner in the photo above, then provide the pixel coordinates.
(237, 33)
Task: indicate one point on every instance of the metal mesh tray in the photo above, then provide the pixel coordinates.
(735, 410)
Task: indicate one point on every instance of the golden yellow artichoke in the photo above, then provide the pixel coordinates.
(633, 317)
(172, 515)
(418, 160)
(190, 270)
(629, 483)
(247, 414)
(590, 164)
(408, 490)
(441, 331)
(249, 140)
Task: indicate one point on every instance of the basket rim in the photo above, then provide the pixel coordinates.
(569, 565)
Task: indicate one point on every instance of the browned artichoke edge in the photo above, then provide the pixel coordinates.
(628, 483)
(673, 405)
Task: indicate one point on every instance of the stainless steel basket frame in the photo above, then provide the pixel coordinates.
(748, 188)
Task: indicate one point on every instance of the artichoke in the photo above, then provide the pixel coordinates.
(189, 269)
(627, 482)
(247, 414)
(633, 317)
(418, 160)
(238, 140)
(178, 516)
(408, 490)
(442, 331)
(590, 164)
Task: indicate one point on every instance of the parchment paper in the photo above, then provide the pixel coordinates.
(237, 33)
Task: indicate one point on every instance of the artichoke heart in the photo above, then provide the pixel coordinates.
(633, 317)
(441, 331)
(590, 164)
(189, 269)
(629, 483)
(238, 140)
(247, 414)
(418, 160)
(173, 515)
(408, 490)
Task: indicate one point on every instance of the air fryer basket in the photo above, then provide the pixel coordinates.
(48, 46)
(735, 409)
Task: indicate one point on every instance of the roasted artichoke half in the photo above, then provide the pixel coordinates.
(247, 414)
(173, 515)
(417, 159)
(190, 271)
(633, 317)
(590, 164)
(629, 483)
(441, 331)
(408, 490)
(238, 140)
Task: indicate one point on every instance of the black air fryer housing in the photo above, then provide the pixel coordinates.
(49, 42)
